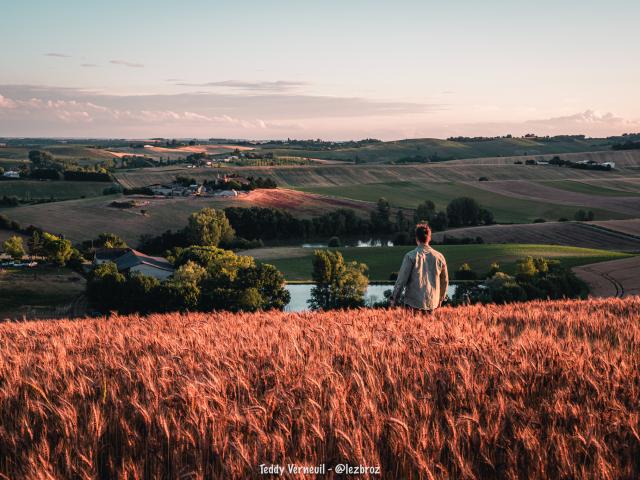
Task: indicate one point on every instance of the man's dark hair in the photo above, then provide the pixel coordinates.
(423, 233)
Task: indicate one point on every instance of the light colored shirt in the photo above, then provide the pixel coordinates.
(423, 278)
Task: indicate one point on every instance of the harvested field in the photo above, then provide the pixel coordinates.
(543, 192)
(630, 184)
(534, 390)
(346, 175)
(573, 234)
(616, 278)
(85, 219)
(630, 227)
(210, 149)
(622, 159)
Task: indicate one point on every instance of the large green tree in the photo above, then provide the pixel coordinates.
(425, 212)
(105, 286)
(463, 211)
(338, 284)
(209, 227)
(380, 218)
(56, 249)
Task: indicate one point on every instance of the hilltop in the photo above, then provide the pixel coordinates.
(435, 150)
(532, 390)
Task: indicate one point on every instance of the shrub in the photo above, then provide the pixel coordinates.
(465, 273)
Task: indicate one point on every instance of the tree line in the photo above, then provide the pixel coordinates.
(258, 224)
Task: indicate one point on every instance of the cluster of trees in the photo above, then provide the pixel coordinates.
(460, 212)
(45, 167)
(136, 161)
(56, 250)
(584, 216)
(264, 224)
(6, 201)
(535, 278)
(628, 145)
(477, 139)
(582, 166)
(319, 144)
(206, 278)
(250, 184)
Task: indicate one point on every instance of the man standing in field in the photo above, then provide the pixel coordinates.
(423, 276)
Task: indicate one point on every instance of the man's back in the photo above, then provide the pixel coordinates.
(423, 277)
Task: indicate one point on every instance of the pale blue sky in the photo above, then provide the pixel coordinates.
(331, 69)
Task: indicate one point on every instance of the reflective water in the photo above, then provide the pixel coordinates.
(358, 243)
(300, 293)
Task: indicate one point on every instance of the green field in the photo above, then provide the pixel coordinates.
(296, 263)
(59, 190)
(505, 209)
(385, 152)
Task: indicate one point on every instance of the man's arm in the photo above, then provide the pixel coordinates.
(403, 278)
(444, 282)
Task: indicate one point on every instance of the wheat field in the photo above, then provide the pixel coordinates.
(532, 390)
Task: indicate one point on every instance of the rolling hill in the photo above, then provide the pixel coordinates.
(424, 148)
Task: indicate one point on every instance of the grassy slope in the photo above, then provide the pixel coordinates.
(61, 190)
(534, 390)
(295, 262)
(393, 151)
(506, 209)
(590, 189)
(42, 287)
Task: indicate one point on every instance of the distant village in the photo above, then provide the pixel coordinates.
(223, 186)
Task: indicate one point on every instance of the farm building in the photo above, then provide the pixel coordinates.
(129, 260)
(105, 255)
(226, 193)
(176, 190)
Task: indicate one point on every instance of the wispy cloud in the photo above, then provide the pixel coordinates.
(51, 111)
(127, 64)
(55, 54)
(249, 86)
(88, 65)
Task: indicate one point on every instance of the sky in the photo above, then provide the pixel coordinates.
(331, 69)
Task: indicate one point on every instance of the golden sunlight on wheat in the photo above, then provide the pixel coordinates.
(537, 390)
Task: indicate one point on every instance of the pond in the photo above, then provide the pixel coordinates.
(301, 292)
(357, 243)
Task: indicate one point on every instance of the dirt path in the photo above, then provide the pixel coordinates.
(616, 278)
